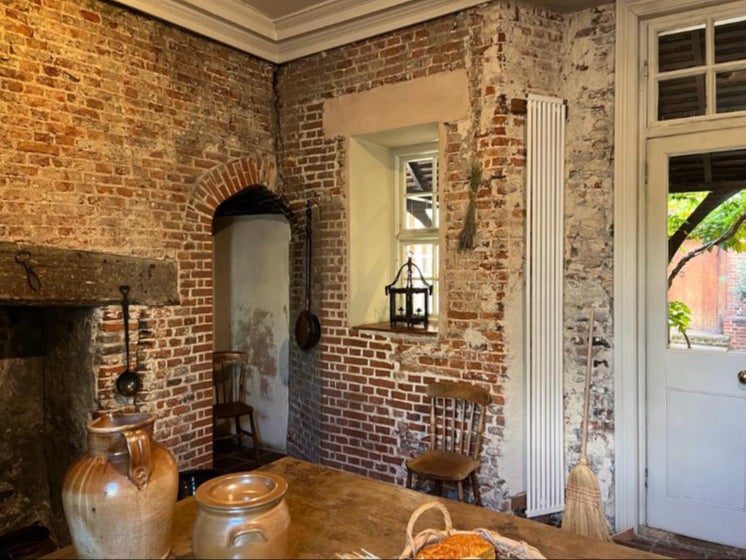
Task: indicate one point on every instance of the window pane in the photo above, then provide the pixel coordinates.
(420, 212)
(682, 48)
(681, 97)
(730, 88)
(730, 40)
(425, 256)
(421, 204)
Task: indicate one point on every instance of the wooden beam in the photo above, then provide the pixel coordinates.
(39, 275)
(683, 186)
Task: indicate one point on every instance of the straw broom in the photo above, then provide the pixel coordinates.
(583, 510)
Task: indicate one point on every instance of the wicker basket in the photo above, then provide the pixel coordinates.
(504, 547)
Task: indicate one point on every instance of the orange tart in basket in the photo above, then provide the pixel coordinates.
(461, 545)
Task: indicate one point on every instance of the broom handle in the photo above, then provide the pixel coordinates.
(587, 385)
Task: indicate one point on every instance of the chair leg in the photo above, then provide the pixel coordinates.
(475, 489)
(238, 430)
(460, 490)
(438, 488)
(409, 478)
(254, 436)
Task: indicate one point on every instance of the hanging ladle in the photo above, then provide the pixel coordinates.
(128, 382)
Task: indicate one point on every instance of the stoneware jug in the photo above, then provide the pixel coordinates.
(119, 496)
(242, 515)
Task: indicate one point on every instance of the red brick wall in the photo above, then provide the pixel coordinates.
(122, 134)
(362, 407)
(734, 319)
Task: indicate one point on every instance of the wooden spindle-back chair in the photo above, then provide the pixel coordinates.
(457, 421)
(229, 372)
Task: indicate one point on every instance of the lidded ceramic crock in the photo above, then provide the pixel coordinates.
(242, 515)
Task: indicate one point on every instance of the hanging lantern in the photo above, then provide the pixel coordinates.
(409, 304)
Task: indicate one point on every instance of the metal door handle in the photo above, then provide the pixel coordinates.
(742, 376)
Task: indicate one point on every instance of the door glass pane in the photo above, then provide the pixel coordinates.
(730, 40)
(682, 97)
(730, 91)
(681, 48)
(707, 251)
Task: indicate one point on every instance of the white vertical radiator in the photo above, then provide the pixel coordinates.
(545, 170)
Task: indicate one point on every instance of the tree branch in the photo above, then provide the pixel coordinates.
(706, 247)
(713, 199)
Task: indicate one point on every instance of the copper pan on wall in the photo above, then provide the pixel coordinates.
(307, 326)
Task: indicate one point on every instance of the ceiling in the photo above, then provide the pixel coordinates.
(283, 30)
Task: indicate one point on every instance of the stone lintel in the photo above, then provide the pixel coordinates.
(41, 275)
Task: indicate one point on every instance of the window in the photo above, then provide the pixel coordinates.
(699, 67)
(417, 227)
(393, 211)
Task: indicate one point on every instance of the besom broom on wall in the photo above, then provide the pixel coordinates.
(584, 513)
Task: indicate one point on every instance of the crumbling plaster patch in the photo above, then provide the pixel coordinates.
(588, 85)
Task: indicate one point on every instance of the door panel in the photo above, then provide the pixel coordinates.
(696, 406)
(685, 480)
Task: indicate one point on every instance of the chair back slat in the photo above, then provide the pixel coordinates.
(433, 424)
(229, 370)
(457, 417)
(469, 412)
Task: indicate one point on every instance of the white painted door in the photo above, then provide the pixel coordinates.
(696, 404)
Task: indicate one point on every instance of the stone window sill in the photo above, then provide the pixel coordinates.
(386, 327)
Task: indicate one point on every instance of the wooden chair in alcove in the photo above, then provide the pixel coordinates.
(229, 372)
(457, 419)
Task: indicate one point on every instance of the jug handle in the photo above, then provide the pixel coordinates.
(138, 445)
(243, 530)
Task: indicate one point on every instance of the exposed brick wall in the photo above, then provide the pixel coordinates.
(734, 319)
(122, 134)
(366, 412)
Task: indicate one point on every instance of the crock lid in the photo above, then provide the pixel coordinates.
(241, 490)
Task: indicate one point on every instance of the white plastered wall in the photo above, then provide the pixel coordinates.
(251, 302)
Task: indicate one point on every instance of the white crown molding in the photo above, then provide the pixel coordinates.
(234, 12)
(320, 27)
(355, 28)
(186, 16)
(332, 13)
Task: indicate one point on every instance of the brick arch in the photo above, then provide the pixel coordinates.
(223, 181)
(195, 288)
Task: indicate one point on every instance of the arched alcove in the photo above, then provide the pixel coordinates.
(251, 287)
(196, 284)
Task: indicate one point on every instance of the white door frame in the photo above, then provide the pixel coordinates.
(629, 251)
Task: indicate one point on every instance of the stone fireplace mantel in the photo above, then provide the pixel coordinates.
(40, 275)
(61, 351)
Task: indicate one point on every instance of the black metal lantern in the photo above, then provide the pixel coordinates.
(409, 305)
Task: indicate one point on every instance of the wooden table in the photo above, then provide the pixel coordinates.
(337, 512)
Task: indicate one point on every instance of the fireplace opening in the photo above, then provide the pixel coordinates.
(47, 395)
